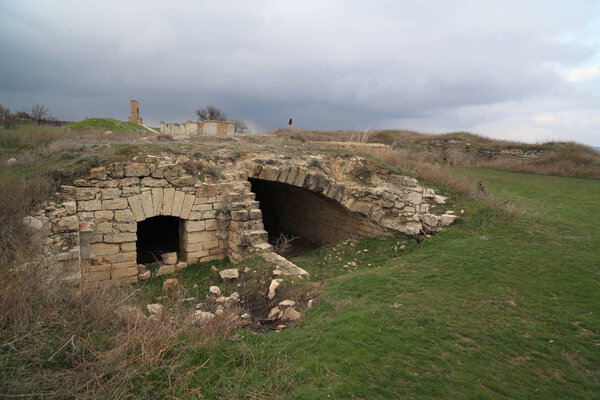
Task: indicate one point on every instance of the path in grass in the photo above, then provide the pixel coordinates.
(487, 309)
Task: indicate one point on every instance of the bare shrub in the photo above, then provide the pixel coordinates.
(18, 198)
(283, 244)
(64, 343)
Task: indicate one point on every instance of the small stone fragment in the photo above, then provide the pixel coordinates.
(170, 285)
(273, 288)
(274, 313)
(235, 297)
(290, 314)
(155, 308)
(309, 304)
(170, 258)
(279, 327)
(229, 274)
(181, 265)
(287, 303)
(200, 318)
(214, 290)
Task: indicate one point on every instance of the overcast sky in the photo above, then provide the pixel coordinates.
(515, 69)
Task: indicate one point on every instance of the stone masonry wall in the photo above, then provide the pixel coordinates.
(90, 236)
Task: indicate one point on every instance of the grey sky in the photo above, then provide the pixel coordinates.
(524, 70)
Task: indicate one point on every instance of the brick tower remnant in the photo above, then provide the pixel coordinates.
(135, 112)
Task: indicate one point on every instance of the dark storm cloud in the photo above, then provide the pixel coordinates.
(329, 64)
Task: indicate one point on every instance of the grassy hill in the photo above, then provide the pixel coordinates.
(491, 308)
(106, 124)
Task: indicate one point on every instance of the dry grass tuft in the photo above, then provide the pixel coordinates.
(63, 343)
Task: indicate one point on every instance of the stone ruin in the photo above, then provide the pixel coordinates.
(190, 129)
(127, 221)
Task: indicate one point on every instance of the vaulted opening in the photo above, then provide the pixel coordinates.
(312, 218)
(156, 236)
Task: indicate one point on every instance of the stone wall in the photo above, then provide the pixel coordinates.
(191, 128)
(90, 235)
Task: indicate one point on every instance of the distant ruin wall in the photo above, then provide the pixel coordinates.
(192, 128)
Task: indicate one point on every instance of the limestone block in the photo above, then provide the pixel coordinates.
(240, 215)
(290, 314)
(137, 169)
(115, 171)
(292, 175)
(103, 215)
(125, 215)
(89, 205)
(158, 196)
(168, 171)
(103, 227)
(414, 198)
(153, 182)
(283, 174)
(192, 247)
(205, 207)
(447, 219)
(275, 283)
(115, 204)
(125, 182)
(430, 219)
(119, 257)
(170, 258)
(102, 249)
(208, 190)
(211, 224)
(124, 272)
(67, 224)
(135, 204)
(70, 207)
(107, 184)
(96, 276)
(120, 237)
(181, 265)
(184, 181)
(165, 270)
(128, 246)
(178, 199)
(269, 173)
(147, 206)
(128, 191)
(300, 178)
(194, 226)
(110, 193)
(169, 194)
(98, 173)
(186, 207)
(195, 255)
(86, 193)
(229, 274)
(198, 237)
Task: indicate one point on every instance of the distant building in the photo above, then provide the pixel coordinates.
(135, 112)
(192, 128)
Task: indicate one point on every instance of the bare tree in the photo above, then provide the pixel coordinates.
(7, 119)
(240, 126)
(211, 113)
(40, 112)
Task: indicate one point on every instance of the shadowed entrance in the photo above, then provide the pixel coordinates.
(156, 236)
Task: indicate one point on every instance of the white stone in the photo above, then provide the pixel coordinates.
(273, 288)
(290, 314)
(287, 303)
(11, 161)
(32, 222)
(155, 308)
(235, 297)
(171, 284)
(274, 313)
(229, 274)
(214, 290)
(170, 258)
(200, 318)
(439, 199)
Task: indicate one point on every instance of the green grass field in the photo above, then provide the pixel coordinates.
(488, 309)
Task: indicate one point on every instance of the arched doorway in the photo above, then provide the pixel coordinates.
(156, 236)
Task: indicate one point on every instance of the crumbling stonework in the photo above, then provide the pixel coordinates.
(189, 129)
(92, 234)
(134, 113)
